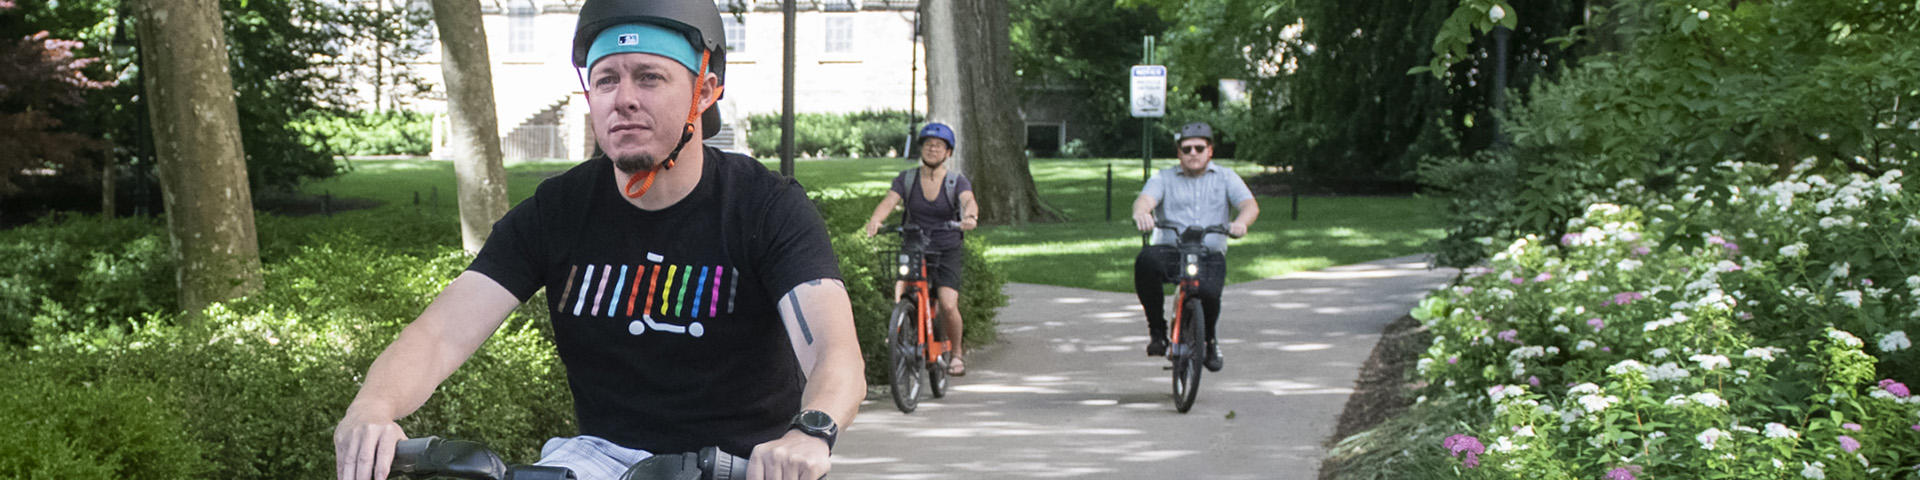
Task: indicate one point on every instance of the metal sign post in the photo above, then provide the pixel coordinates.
(1148, 98)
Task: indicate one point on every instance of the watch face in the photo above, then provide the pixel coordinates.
(815, 419)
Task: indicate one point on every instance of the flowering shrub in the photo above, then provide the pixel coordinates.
(1739, 328)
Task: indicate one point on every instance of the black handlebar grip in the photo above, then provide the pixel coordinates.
(719, 465)
(431, 456)
(408, 453)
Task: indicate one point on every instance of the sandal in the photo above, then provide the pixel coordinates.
(957, 368)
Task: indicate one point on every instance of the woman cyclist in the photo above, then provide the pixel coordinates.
(935, 196)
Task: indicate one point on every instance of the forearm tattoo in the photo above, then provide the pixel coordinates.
(793, 301)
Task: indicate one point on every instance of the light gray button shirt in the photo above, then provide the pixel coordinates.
(1202, 200)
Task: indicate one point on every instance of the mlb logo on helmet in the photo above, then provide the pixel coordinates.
(629, 39)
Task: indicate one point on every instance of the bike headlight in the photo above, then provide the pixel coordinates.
(1193, 269)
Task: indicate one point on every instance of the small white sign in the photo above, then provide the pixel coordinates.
(1148, 96)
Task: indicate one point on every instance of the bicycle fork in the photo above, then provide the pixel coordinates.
(935, 347)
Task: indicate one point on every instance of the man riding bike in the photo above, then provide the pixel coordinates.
(1195, 192)
(936, 195)
(694, 295)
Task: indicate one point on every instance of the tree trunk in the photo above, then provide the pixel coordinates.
(203, 172)
(476, 139)
(106, 186)
(976, 100)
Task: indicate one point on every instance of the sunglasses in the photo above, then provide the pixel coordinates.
(1192, 149)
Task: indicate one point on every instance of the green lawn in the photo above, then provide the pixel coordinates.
(1086, 251)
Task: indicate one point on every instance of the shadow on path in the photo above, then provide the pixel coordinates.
(1069, 393)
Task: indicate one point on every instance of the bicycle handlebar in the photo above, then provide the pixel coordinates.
(429, 457)
(903, 226)
(1182, 228)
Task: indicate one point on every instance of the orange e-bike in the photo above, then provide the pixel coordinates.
(1187, 348)
(914, 346)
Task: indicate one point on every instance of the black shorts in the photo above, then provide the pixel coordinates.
(945, 266)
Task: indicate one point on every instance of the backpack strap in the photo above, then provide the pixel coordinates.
(953, 200)
(912, 175)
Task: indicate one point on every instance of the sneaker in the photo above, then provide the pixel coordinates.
(1215, 361)
(1157, 347)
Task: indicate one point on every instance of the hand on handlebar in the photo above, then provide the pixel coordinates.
(363, 446)
(794, 456)
(872, 228)
(1143, 221)
(1236, 230)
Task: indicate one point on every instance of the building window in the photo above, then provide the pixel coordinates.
(520, 29)
(736, 33)
(839, 34)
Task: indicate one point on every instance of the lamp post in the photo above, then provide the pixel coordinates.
(142, 147)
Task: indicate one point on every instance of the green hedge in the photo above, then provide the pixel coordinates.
(106, 387)
(368, 133)
(861, 134)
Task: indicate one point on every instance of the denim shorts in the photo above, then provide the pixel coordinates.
(590, 457)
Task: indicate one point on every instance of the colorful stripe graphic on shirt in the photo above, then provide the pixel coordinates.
(577, 303)
(649, 290)
(613, 305)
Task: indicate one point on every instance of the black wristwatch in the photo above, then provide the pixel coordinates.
(818, 424)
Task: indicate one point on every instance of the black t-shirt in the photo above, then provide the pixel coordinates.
(666, 320)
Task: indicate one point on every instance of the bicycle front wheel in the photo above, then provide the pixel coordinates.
(1193, 352)
(903, 352)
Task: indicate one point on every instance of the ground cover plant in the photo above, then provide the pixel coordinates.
(1743, 325)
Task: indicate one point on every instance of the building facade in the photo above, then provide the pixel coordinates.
(849, 56)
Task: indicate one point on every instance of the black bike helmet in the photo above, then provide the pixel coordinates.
(1195, 129)
(699, 20)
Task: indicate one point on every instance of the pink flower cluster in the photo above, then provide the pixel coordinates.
(1459, 443)
(1849, 444)
(1732, 248)
(1623, 473)
(1510, 336)
(1898, 389)
(1624, 298)
(1596, 323)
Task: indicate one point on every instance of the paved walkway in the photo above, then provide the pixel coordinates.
(1069, 393)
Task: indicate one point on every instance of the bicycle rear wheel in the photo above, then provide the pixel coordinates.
(903, 352)
(1187, 364)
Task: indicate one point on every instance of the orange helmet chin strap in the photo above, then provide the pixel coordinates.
(645, 179)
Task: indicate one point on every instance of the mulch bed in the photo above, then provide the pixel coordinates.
(1383, 387)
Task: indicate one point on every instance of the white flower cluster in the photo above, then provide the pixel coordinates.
(1712, 436)
(1595, 403)
(1815, 471)
(1845, 338)
(1894, 341)
(1763, 353)
(1793, 251)
(1706, 399)
(1626, 367)
(1667, 371)
(1849, 298)
(1777, 430)
(1710, 362)
(1503, 392)
(1674, 319)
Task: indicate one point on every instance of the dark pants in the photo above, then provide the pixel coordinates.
(1159, 264)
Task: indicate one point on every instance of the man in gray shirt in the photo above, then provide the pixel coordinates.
(1196, 193)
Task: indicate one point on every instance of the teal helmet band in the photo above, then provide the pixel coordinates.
(643, 38)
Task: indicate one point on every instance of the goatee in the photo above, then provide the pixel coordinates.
(635, 163)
